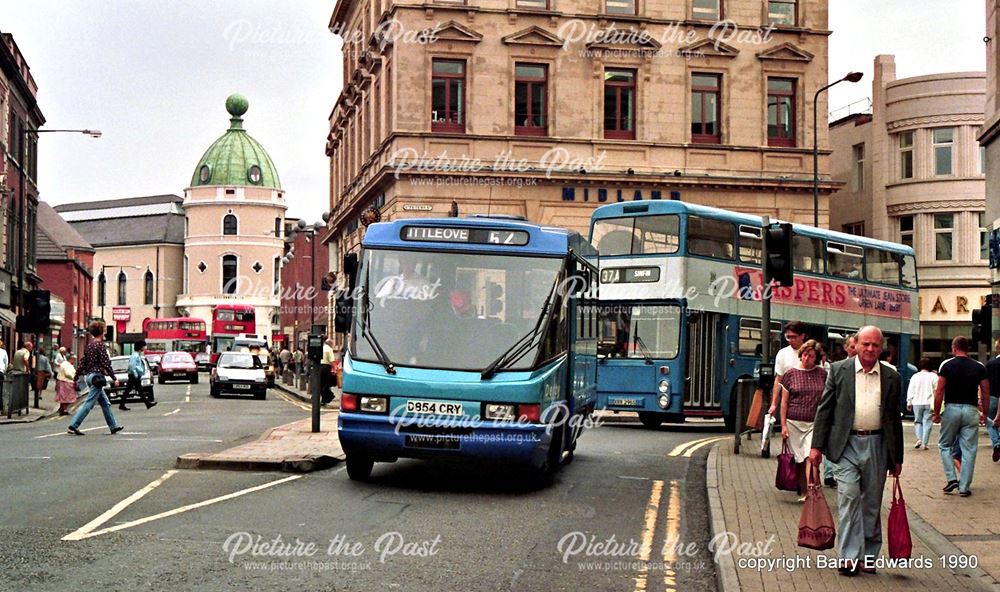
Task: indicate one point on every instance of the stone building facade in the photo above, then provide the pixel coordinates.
(913, 173)
(549, 108)
(989, 139)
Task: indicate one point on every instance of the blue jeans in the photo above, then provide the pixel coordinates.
(922, 423)
(96, 394)
(959, 422)
(992, 431)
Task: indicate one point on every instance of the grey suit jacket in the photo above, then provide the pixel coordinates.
(835, 414)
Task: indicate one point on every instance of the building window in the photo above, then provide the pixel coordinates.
(147, 288)
(122, 287)
(184, 279)
(858, 179)
(943, 140)
(229, 269)
(705, 89)
(619, 104)
(537, 4)
(229, 225)
(982, 160)
(102, 289)
(620, 6)
(448, 96)
(277, 276)
(780, 112)
(277, 228)
(706, 10)
(906, 155)
(530, 99)
(782, 12)
(906, 230)
(984, 237)
(855, 228)
(944, 224)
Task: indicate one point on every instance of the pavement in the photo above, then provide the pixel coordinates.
(746, 508)
(47, 407)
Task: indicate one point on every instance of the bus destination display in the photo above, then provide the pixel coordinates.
(630, 275)
(454, 234)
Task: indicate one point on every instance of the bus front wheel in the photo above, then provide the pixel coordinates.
(651, 420)
(359, 468)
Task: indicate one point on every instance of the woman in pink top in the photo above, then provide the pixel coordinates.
(801, 389)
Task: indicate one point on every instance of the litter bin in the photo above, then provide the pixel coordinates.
(745, 388)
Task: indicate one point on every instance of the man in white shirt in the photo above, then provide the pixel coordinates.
(919, 398)
(4, 361)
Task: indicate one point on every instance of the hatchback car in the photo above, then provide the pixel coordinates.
(153, 359)
(203, 360)
(178, 366)
(239, 373)
(120, 365)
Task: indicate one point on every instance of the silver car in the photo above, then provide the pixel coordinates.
(120, 365)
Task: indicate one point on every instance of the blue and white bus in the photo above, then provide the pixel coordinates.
(474, 338)
(680, 303)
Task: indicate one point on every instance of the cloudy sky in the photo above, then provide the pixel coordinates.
(154, 75)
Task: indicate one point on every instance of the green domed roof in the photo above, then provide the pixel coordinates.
(236, 158)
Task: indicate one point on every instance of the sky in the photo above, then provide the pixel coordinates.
(153, 76)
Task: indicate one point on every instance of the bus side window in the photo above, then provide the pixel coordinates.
(807, 254)
(883, 267)
(711, 238)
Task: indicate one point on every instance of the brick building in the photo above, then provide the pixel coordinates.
(66, 266)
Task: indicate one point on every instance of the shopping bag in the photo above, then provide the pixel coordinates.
(786, 479)
(900, 544)
(755, 419)
(816, 529)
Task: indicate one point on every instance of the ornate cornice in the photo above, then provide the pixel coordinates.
(917, 122)
(919, 207)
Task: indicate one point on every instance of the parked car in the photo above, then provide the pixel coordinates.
(120, 366)
(240, 373)
(203, 360)
(178, 366)
(153, 359)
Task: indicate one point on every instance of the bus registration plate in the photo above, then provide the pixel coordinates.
(434, 408)
(625, 402)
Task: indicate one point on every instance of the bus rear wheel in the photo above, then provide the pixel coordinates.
(650, 420)
(359, 467)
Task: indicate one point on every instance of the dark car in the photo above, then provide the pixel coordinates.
(120, 365)
(204, 361)
(178, 366)
(239, 373)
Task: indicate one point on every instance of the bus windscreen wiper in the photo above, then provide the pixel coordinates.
(383, 358)
(643, 349)
(523, 345)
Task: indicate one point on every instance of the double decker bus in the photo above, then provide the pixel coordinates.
(185, 334)
(474, 338)
(681, 289)
(228, 322)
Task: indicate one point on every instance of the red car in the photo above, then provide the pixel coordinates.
(178, 366)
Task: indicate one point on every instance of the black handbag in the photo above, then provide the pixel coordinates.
(99, 380)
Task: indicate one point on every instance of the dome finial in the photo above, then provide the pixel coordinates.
(237, 105)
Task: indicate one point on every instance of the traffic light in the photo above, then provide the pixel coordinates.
(982, 325)
(36, 315)
(778, 240)
(494, 299)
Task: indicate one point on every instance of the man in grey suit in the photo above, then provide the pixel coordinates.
(858, 426)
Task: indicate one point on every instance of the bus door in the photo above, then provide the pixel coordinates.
(706, 348)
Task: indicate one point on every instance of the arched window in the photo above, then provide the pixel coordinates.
(102, 290)
(229, 225)
(229, 273)
(148, 288)
(122, 281)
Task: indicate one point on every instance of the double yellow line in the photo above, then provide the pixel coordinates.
(688, 448)
(673, 525)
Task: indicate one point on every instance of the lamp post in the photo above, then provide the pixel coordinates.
(851, 77)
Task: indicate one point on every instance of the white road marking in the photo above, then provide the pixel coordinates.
(680, 448)
(168, 440)
(634, 478)
(63, 433)
(27, 458)
(178, 410)
(84, 531)
(691, 450)
(183, 509)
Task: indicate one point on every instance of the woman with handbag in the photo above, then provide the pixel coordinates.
(94, 367)
(66, 385)
(801, 389)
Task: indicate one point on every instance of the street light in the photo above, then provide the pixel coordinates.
(851, 77)
(22, 254)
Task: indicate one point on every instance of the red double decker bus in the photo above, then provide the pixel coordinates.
(175, 334)
(228, 321)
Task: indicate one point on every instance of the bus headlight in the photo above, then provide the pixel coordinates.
(663, 401)
(374, 404)
(664, 387)
(499, 412)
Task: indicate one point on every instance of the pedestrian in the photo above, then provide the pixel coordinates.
(136, 369)
(66, 384)
(43, 370)
(59, 358)
(22, 358)
(787, 358)
(959, 379)
(858, 427)
(993, 375)
(4, 360)
(325, 372)
(851, 345)
(284, 359)
(94, 367)
(919, 397)
(297, 359)
(801, 389)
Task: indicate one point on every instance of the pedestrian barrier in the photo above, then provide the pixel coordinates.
(14, 394)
